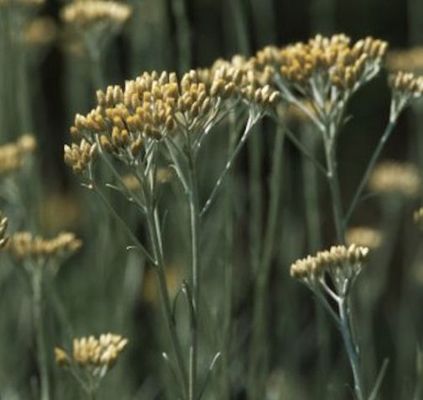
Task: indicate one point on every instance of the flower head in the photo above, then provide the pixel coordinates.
(405, 87)
(128, 121)
(394, 177)
(342, 264)
(364, 236)
(409, 59)
(40, 32)
(26, 246)
(95, 355)
(324, 70)
(14, 155)
(87, 14)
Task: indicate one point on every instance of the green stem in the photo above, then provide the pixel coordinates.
(155, 237)
(311, 195)
(39, 331)
(252, 119)
(228, 272)
(194, 212)
(183, 34)
(350, 346)
(358, 193)
(333, 181)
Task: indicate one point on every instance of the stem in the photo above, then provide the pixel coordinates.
(250, 123)
(39, 331)
(194, 212)
(357, 196)
(352, 349)
(333, 180)
(94, 55)
(91, 394)
(311, 195)
(228, 272)
(155, 236)
(183, 34)
(307, 153)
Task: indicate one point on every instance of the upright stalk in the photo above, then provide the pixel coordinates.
(350, 346)
(179, 10)
(311, 194)
(333, 181)
(155, 237)
(39, 332)
(375, 156)
(194, 212)
(228, 271)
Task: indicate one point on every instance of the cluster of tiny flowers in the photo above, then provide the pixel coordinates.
(340, 262)
(406, 83)
(324, 63)
(418, 217)
(79, 156)
(95, 355)
(24, 245)
(3, 228)
(40, 32)
(86, 14)
(410, 60)
(13, 155)
(364, 236)
(405, 86)
(395, 177)
(154, 106)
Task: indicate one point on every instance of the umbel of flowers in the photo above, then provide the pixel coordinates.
(91, 358)
(155, 106)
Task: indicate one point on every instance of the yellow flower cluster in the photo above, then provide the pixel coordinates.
(406, 84)
(325, 62)
(24, 245)
(13, 155)
(418, 217)
(85, 14)
(395, 177)
(364, 236)
(410, 60)
(3, 228)
(338, 261)
(154, 106)
(40, 32)
(97, 355)
(79, 156)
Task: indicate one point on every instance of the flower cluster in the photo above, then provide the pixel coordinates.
(418, 217)
(410, 60)
(86, 14)
(79, 156)
(96, 355)
(13, 155)
(395, 177)
(24, 245)
(405, 86)
(40, 32)
(154, 106)
(323, 67)
(339, 262)
(364, 236)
